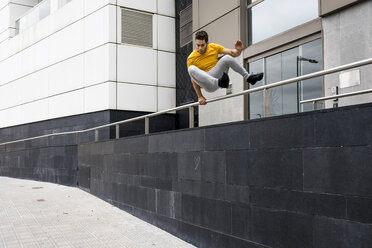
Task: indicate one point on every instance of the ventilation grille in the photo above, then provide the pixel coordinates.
(136, 28)
(186, 26)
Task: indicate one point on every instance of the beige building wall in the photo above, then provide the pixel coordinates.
(221, 19)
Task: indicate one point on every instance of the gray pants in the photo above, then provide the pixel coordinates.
(209, 80)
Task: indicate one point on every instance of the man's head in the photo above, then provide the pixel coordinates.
(201, 40)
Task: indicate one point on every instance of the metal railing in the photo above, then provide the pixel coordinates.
(191, 106)
(319, 99)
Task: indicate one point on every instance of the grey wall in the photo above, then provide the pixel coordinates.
(301, 180)
(347, 38)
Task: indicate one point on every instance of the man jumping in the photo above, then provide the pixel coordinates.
(207, 72)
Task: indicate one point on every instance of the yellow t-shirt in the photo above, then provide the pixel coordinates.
(207, 60)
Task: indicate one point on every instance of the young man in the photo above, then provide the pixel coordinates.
(207, 72)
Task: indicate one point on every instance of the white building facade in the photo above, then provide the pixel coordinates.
(62, 58)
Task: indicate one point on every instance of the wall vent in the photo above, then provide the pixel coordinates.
(186, 26)
(136, 28)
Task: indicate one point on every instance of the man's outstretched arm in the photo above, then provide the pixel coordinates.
(201, 98)
(234, 52)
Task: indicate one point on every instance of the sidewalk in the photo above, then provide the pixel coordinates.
(38, 214)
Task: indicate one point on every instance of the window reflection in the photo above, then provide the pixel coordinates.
(285, 99)
(272, 17)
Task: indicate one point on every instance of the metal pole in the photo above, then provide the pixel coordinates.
(266, 101)
(191, 117)
(147, 125)
(314, 105)
(95, 135)
(117, 131)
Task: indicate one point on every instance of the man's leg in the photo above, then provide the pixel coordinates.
(224, 64)
(203, 79)
(227, 62)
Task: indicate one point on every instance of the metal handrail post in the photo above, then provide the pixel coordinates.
(117, 131)
(191, 117)
(147, 125)
(95, 135)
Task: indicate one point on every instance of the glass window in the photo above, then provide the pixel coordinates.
(272, 17)
(62, 2)
(285, 99)
(256, 105)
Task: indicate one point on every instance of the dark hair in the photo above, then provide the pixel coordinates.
(201, 35)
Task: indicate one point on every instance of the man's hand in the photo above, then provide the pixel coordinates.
(202, 100)
(239, 45)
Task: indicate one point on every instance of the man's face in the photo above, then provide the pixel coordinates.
(201, 46)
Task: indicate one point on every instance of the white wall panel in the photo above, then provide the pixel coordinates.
(4, 19)
(10, 117)
(10, 95)
(66, 43)
(91, 6)
(166, 69)
(137, 65)
(96, 65)
(136, 97)
(166, 34)
(167, 7)
(34, 87)
(166, 98)
(66, 15)
(146, 5)
(71, 103)
(41, 57)
(100, 97)
(4, 35)
(96, 28)
(67, 75)
(34, 111)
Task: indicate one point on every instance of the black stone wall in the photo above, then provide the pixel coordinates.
(55, 159)
(301, 180)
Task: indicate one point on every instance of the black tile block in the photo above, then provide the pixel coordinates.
(160, 165)
(294, 201)
(240, 220)
(291, 132)
(188, 141)
(344, 127)
(102, 148)
(131, 145)
(161, 143)
(216, 215)
(281, 229)
(189, 165)
(213, 190)
(17, 146)
(61, 140)
(165, 203)
(148, 182)
(341, 233)
(336, 170)
(359, 209)
(267, 168)
(237, 193)
(191, 209)
(227, 137)
(84, 177)
(36, 143)
(213, 168)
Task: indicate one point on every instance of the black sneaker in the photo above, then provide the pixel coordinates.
(224, 81)
(253, 78)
